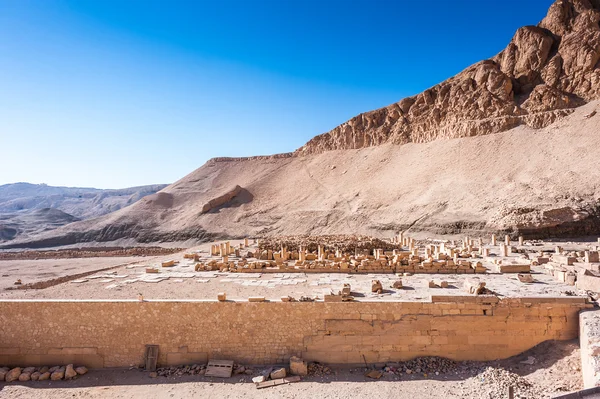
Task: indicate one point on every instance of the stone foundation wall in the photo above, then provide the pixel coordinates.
(114, 333)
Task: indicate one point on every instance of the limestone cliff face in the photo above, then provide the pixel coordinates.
(543, 74)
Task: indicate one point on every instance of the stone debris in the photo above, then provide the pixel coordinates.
(178, 371)
(298, 366)
(278, 373)
(318, 369)
(70, 372)
(497, 381)
(525, 277)
(376, 287)
(13, 375)
(40, 373)
(375, 374)
(422, 365)
(58, 374)
(474, 287)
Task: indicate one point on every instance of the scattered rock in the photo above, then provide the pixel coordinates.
(153, 374)
(13, 375)
(44, 376)
(81, 370)
(278, 373)
(258, 379)
(525, 277)
(35, 375)
(70, 372)
(25, 377)
(3, 372)
(376, 287)
(58, 374)
(318, 369)
(375, 374)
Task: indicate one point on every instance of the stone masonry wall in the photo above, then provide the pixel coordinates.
(114, 333)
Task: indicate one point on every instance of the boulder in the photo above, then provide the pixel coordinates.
(28, 370)
(70, 372)
(58, 375)
(3, 372)
(44, 369)
(81, 370)
(13, 375)
(35, 376)
(44, 376)
(25, 377)
(53, 369)
(397, 284)
(278, 373)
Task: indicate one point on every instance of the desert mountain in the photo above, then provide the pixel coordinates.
(27, 209)
(543, 74)
(428, 163)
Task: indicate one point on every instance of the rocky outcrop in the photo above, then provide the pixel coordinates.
(221, 200)
(542, 75)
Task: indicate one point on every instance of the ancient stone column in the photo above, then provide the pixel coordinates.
(503, 250)
(507, 240)
(493, 239)
(520, 241)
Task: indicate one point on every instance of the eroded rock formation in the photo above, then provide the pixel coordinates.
(544, 72)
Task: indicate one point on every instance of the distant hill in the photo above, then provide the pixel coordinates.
(27, 209)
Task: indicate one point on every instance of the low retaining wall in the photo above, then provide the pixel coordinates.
(589, 342)
(114, 333)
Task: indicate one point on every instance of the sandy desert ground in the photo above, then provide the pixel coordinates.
(555, 371)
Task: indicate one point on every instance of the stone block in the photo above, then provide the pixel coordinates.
(298, 366)
(279, 373)
(257, 299)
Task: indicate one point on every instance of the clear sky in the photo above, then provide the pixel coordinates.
(113, 94)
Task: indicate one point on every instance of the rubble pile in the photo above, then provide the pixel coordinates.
(497, 381)
(318, 369)
(423, 365)
(195, 369)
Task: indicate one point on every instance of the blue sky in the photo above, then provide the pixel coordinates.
(112, 94)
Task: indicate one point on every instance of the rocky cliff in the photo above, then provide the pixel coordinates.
(542, 75)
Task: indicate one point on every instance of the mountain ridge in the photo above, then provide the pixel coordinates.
(503, 146)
